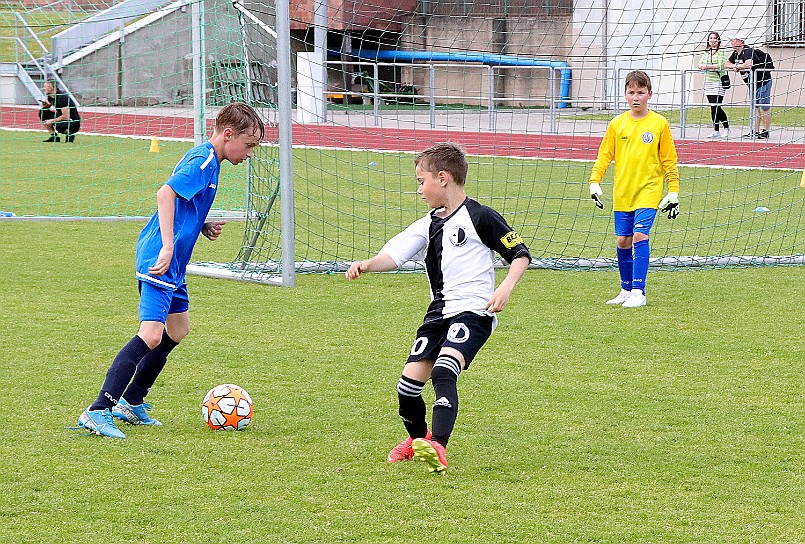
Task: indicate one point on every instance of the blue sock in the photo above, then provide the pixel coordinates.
(625, 265)
(641, 254)
(120, 373)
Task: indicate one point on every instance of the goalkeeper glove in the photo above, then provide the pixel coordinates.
(595, 194)
(670, 205)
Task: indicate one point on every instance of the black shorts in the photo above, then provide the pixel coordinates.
(71, 126)
(466, 332)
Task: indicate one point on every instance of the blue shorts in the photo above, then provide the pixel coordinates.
(156, 303)
(640, 220)
(466, 332)
(763, 96)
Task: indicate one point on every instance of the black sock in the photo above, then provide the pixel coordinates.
(148, 369)
(412, 407)
(445, 409)
(120, 373)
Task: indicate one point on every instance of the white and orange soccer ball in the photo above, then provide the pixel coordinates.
(227, 407)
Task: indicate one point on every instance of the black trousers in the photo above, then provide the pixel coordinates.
(717, 113)
(70, 126)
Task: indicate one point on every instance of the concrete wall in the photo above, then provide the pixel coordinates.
(602, 37)
(12, 91)
(451, 34)
(538, 38)
(95, 80)
(664, 39)
(546, 38)
(351, 14)
(153, 65)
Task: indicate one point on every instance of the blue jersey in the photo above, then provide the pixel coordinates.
(195, 182)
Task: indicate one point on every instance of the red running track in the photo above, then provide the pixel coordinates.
(737, 153)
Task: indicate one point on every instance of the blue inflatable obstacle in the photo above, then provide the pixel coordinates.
(493, 59)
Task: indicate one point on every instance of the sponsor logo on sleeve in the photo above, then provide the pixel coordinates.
(511, 240)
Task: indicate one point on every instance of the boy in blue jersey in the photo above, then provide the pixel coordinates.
(163, 252)
(640, 142)
(457, 240)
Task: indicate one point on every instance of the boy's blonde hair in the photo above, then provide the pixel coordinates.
(241, 118)
(447, 157)
(638, 78)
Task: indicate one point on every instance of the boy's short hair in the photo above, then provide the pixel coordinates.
(241, 118)
(638, 78)
(447, 157)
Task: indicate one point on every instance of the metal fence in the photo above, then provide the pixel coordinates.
(431, 87)
(434, 85)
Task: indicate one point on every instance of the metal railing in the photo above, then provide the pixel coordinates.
(23, 32)
(45, 69)
(379, 91)
(674, 90)
(746, 85)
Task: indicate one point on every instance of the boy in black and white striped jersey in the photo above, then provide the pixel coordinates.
(456, 240)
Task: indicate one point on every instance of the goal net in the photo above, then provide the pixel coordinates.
(352, 90)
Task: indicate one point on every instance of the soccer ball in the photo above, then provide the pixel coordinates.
(227, 407)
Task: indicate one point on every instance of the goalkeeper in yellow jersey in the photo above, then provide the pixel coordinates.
(640, 143)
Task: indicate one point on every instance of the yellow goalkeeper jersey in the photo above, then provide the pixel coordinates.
(644, 155)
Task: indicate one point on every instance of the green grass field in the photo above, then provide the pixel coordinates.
(678, 422)
(349, 202)
(99, 176)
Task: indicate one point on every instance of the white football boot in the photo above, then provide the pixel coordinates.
(621, 298)
(635, 299)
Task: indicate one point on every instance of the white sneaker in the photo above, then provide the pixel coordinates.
(725, 134)
(714, 136)
(621, 298)
(635, 299)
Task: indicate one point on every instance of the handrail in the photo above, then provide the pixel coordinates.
(32, 33)
(47, 71)
(494, 59)
(47, 74)
(554, 103)
(101, 24)
(238, 5)
(752, 99)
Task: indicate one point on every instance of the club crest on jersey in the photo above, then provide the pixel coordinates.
(511, 240)
(459, 236)
(647, 137)
(458, 333)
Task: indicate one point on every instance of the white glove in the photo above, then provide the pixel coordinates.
(670, 205)
(595, 194)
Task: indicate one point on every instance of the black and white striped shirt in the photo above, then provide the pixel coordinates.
(458, 252)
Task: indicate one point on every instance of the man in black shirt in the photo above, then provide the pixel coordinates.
(59, 114)
(745, 60)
